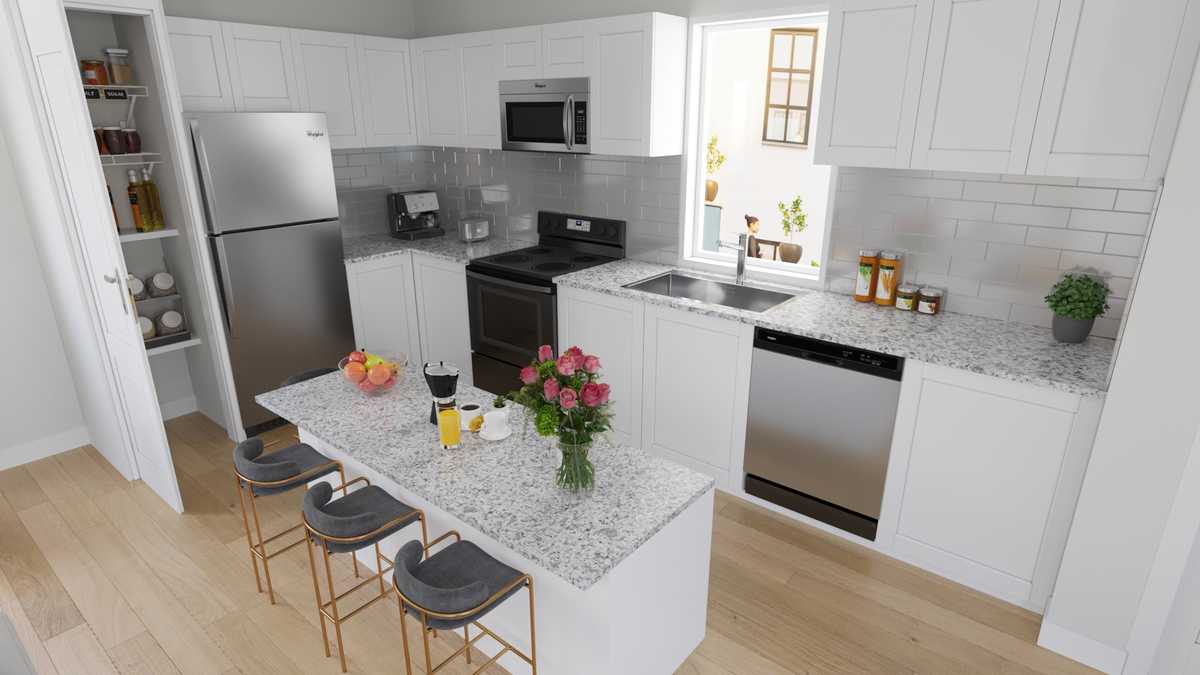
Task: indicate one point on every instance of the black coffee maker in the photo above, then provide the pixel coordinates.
(414, 215)
(442, 379)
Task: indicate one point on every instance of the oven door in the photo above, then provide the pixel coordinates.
(552, 122)
(509, 321)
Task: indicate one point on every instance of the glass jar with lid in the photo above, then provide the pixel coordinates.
(868, 275)
(119, 69)
(889, 278)
(906, 297)
(929, 300)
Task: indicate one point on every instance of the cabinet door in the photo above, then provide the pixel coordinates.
(983, 78)
(874, 57)
(262, 70)
(441, 291)
(983, 470)
(611, 329)
(620, 83)
(1114, 88)
(198, 51)
(327, 72)
(520, 53)
(565, 49)
(385, 68)
(383, 306)
(696, 389)
(438, 92)
(477, 58)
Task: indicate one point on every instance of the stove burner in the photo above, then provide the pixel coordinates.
(584, 259)
(512, 259)
(552, 266)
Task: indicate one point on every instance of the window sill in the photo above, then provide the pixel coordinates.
(801, 278)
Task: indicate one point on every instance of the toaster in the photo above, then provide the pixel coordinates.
(474, 227)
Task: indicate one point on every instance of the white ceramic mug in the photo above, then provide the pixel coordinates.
(495, 423)
(468, 412)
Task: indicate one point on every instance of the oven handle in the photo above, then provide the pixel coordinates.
(510, 284)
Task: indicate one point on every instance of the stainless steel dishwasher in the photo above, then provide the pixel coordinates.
(820, 428)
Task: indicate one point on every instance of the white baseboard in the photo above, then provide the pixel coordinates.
(25, 453)
(1089, 652)
(178, 408)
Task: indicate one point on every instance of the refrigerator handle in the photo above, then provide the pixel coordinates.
(205, 176)
(226, 285)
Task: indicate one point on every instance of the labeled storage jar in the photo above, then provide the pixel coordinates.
(162, 284)
(114, 140)
(906, 297)
(169, 322)
(119, 70)
(929, 300)
(868, 275)
(889, 278)
(93, 73)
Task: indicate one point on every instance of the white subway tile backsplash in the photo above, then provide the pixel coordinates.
(1066, 239)
(1012, 193)
(1042, 216)
(946, 208)
(926, 187)
(998, 232)
(1124, 244)
(1019, 255)
(1118, 266)
(1078, 197)
(1141, 201)
(1109, 221)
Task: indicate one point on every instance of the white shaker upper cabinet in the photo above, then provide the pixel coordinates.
(1115, 86)
(982, 80)
(438, 91)
(198, 50)
(327, 72)
(261, 68)
(519, 54)
(385, 69)
(565, 49)
(874, 56)
(478, 57)
(637, 65)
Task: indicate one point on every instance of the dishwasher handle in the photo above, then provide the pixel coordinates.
(830, 353)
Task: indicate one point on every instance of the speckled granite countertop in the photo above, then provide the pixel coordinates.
(1003, 349)
(448, 247)
(505, 489)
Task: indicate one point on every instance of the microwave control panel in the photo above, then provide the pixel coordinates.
(581, 126)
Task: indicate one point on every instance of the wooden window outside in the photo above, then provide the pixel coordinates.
(791, 65)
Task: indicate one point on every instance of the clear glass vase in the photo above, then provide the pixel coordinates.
(576, 471)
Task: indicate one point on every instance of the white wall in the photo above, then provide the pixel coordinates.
(393, 18)
(1151, 417)
(38, 405)
(442, 17)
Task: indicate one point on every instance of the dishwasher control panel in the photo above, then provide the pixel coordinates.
(831, 353)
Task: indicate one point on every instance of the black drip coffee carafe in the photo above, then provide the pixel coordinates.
(442, 378)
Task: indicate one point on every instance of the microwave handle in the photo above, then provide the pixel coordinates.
(569, 122)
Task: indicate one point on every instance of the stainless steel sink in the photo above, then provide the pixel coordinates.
(678, 285)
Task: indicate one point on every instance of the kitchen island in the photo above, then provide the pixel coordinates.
(621, 571)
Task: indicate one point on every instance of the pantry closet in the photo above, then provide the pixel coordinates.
(138, 251)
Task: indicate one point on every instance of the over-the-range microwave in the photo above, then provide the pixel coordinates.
(548, 115)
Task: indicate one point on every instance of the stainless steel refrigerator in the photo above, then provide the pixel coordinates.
(272, 213)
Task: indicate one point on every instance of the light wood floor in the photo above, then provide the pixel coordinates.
(99, 576)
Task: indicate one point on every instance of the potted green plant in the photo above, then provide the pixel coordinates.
(794, 221)
(712, 161)
(1076, 300)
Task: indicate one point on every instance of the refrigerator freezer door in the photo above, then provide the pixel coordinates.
(286, 305)
(264, 169)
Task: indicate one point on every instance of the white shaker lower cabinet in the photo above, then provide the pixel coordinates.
(445, 330)
(383, 306)
(993, 473)
(610, 328)
(696, 387)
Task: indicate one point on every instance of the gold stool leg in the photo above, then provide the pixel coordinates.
(425, 640)
(379, 568)
(312, 566)
(467, 640)
(404, 638)
(262, 549)
(532, 631)
(337, 623)
(246, 527)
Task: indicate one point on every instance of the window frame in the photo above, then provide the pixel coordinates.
(789, 72)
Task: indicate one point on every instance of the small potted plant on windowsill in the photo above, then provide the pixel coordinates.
(794, 222)
(1076, 300)
(712, 162)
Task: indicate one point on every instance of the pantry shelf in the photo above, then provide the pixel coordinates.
(132, 159)
(146, 236)
(173, 347)
(150, 299)
(113, 92)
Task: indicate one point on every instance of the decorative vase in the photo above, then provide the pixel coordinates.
(576, 471)
(710, 190)
(1071, 330)
(790, 253)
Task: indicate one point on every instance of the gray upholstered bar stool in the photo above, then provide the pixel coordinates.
(454, 588)
(348, 524)
(258, 475)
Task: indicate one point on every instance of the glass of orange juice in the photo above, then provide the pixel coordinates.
(449, 427)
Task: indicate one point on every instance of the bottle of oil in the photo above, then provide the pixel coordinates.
(138, 204)
(151, 190)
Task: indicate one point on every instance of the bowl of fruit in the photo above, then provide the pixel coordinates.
(370, 373)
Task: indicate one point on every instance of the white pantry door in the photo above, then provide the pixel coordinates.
(83, 202)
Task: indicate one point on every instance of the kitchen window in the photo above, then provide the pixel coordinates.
(790, 72)
(749, 167)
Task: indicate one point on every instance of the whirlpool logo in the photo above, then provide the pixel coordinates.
(314, 134)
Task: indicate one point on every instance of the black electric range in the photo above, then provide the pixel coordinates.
(512, 299)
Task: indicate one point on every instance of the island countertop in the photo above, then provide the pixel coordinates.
(504, 489)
